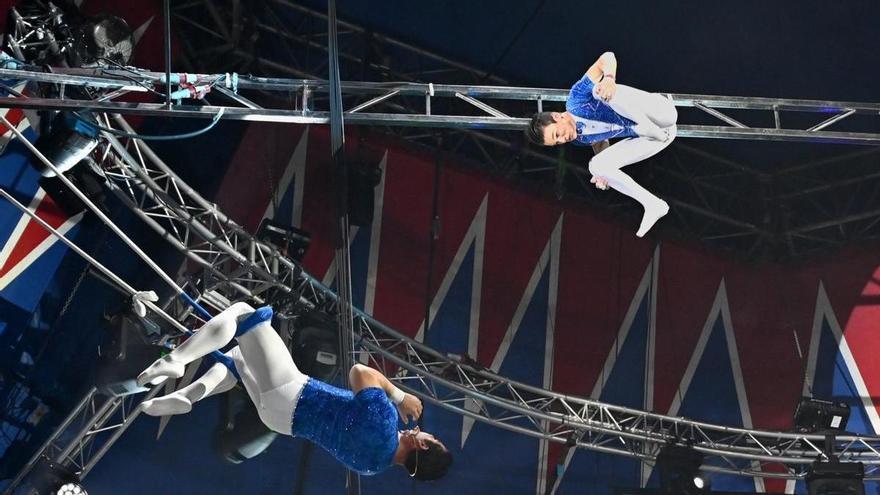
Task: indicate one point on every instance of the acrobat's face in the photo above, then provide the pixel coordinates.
(562, 130)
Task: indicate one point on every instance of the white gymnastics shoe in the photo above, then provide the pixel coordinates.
(652, 214)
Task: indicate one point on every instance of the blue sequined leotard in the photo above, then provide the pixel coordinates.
(359, 430)
(595, 120)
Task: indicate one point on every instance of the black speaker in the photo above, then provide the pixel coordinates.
(241, 435)
(362, 182)
(130, 346)
(314, 345)
(836, 478)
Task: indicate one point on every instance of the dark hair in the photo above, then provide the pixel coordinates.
(535, 130)
(429, 465)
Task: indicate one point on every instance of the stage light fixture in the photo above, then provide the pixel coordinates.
(68, 141)
(291, 241)
(680, 471)
(99, 39)
(71, 489)
(52, 478)
(42, 33)
(820, 416)
(833, 477)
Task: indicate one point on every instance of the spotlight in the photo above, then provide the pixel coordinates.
(836, 478)
(71, 489)
(101, 38)
(68, 141)
(290, 240)
(679, 471)
(820, 416)
(52, 478)
(87, 180)
(44, 34)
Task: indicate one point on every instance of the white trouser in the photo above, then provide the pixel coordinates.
(645, 109)
(267, 371)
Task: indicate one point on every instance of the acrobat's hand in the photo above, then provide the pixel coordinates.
(605, 89)
(410, 409)
(137, 301)
(601, 182)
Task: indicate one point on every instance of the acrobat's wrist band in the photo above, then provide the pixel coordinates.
(396, 395)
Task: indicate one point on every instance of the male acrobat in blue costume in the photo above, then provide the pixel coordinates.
(358, 427)
(598, 109)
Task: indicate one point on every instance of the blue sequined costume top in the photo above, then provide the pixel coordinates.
(359, 430)
(586, 108)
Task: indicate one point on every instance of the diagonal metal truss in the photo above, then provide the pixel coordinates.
(238, 265)
(86, 434)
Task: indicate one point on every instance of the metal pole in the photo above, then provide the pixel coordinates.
(88, 202)
(103, 269)
(345, 317)
(167, 9)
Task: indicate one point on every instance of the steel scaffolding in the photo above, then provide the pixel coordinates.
(236, 265)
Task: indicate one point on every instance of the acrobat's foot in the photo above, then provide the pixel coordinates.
(166, 406)
(653, 213)
(161, 369)
(652, 131)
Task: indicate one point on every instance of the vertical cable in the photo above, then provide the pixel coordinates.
(167, 10)
(345, 316)
(434, 235)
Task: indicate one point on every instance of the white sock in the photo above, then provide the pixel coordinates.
(216, 380)
(161, 369)
(170, 404)
(653, 212)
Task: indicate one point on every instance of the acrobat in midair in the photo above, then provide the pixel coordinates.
(598, 109)
(359, 427)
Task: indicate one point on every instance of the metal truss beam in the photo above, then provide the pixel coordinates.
(498, 117)
(723, 218)
(86, 434)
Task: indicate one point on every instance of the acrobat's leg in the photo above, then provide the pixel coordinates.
(272, 379)
(652, 113)
(216, 380)
(609, 162)
(213, 335)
